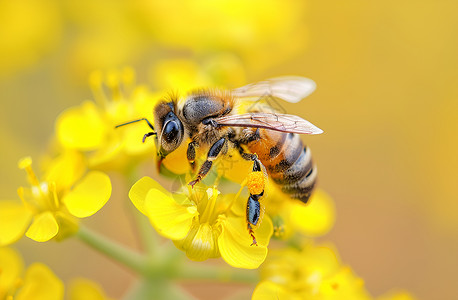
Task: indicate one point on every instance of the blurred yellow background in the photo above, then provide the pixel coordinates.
(387, 99)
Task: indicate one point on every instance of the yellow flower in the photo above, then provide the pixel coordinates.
(90, 127)
(84, 289)
(313, 219)
(203, 223)
(311, 273)
(48, 208)
(39, 282)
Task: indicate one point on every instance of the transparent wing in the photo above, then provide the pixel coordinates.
(272, 121)
(289, 88)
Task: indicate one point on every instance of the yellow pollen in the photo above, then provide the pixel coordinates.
(256, 182)
(25, 162)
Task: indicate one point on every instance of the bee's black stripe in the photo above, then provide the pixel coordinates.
(297, 170)
(291, 150)
(295, 173)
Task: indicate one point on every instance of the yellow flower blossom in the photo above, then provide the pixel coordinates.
(315, 273)
(84, 289)
(203, 223)
(315, 218)
(38, 282)
(90, 127)
(312, 273)
(48, 208)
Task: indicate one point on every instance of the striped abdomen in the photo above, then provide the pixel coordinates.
(288, 163)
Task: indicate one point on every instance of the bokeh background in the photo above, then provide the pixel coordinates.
(387, 98)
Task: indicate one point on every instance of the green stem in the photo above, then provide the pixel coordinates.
(148, 236)
(115, 251)
(217, 273)
(156, 289)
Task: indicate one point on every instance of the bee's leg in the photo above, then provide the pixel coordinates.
(191, 154)
(148, 135)
(253, 214)
(256, 182)
(213, 153)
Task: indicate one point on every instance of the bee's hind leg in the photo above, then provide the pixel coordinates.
(255, 182)
(213, 153)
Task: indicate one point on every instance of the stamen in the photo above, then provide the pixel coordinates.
(113, 83)
(26, 163)
(53, 190)
(20, 192)
(96, 85)
(210, 206)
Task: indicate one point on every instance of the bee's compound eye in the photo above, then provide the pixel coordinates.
(171, 131)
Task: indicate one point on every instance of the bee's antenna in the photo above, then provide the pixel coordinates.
(142, 119)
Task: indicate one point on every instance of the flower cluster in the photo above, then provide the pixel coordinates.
(312, 272)
(39, 282)
(50, 208)
(88, 128)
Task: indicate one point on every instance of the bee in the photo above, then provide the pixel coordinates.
(214, 122)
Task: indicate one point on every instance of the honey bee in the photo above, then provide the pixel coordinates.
(212, 119)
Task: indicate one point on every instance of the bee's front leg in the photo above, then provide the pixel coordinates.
(213, 153)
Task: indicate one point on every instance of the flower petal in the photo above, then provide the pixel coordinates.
(170, 219)
(66, 169)
(11, 266)
(140, 189)
(200, 243)
(317, 217)
(81, 127)
(44, 227)
(89, 196)
(84, 289)
(15, 218)
(40, 283)
(268, 290)
(234, 243)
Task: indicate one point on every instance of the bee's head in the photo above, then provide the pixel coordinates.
(170, 131)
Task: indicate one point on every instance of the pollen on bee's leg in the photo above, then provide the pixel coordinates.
(256, 182)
